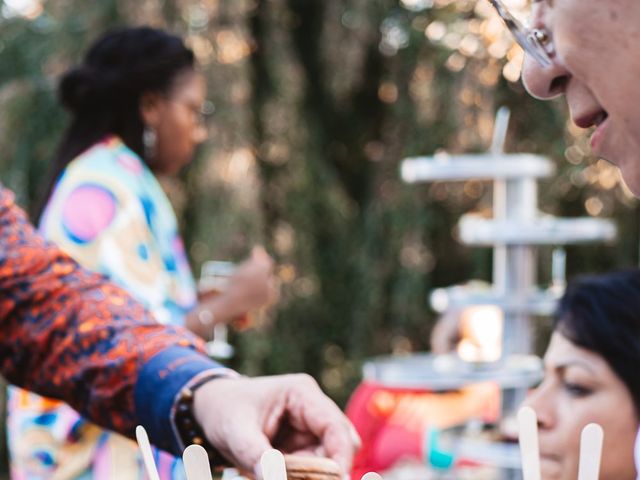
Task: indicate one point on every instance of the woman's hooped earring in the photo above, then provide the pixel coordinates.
(149, 140)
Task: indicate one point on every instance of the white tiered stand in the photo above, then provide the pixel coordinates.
(515, 232)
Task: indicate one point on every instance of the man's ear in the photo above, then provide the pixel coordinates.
(151, 104)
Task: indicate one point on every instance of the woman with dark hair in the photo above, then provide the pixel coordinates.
(136, 102)
(591, 376)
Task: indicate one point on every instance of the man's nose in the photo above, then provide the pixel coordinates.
(544, 83)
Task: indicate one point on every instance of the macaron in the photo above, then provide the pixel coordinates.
(307, 467)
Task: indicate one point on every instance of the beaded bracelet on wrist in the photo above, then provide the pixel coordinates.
(189, 430)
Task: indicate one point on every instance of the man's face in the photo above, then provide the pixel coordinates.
(597, 67)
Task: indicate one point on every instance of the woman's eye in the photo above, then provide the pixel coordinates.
(577, 390)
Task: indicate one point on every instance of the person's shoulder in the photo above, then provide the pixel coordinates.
(98, 180)
(109, 165)
(109, 157)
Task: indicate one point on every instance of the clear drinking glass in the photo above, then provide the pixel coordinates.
(214, 278)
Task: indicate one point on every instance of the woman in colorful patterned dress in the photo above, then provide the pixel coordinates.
(136, 103)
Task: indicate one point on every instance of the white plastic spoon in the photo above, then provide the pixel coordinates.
(196, 463)
(273, 466)
(371, 476)
(529, 449)
(590, 452)
(147, 453)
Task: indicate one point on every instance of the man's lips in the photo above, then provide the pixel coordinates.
(594, 118)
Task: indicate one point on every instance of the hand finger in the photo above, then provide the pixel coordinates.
(311, 410)
(339, 446)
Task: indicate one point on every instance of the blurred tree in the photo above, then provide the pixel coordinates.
(316, 103)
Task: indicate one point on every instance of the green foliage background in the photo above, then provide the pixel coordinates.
(317, 102)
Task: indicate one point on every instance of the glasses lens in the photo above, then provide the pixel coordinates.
(207, 110)
(524, 37)
(536, 49)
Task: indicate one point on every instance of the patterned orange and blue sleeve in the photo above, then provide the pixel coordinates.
(69, 334)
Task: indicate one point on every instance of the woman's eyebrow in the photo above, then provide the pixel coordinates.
(562, 366)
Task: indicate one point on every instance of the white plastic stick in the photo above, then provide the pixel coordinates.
(371, 476)
(273, 466)
(147, 453)
(196, 463)
(590, 452)
(529, 449)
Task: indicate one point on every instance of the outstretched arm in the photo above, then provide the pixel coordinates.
(69, 334)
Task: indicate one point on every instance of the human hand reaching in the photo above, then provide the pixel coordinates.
(243, 417)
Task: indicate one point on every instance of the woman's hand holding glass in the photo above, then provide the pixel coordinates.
(232, 294)
(251, 287)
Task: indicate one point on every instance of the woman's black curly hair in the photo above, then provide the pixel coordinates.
(103, 92)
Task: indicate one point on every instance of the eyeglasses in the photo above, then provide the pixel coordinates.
(536, 42)
(200, 114)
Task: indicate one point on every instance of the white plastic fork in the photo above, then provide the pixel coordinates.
(147, 453)
(591, 441)
(371, 476)
(196, 463)
(273, 466)
(528, 438)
